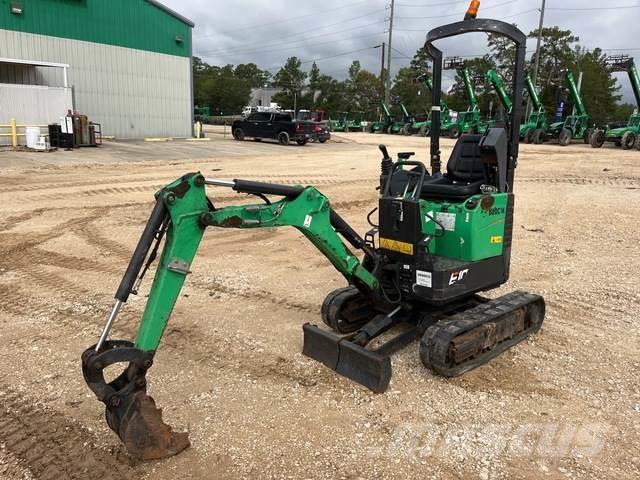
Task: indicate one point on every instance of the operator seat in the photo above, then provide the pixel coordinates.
(466, 172)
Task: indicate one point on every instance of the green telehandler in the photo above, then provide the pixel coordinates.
(354, 123)
(469, 121)
(576, 125)
(625, 137)
(339, 125)
(423, 127)
(385, 123)
(439, 241)
(536, 126)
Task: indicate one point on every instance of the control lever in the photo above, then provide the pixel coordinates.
(385, 152)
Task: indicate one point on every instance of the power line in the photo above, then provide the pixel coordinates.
(429, 5)
(297, 45)
(289, 36)
(457, 14)
(288, 43)
(290, 19)
(336, 55)
(586, 9)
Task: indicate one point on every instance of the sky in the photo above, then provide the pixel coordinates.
(336, 32)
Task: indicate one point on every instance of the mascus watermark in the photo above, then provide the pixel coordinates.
(544, 440)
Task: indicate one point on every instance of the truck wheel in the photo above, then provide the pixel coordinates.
(406, 129)
(565, 137)
(454, 132)
(238, 134)
(283, 138)
(597, 139)
(302, 142)
(424, 131)
(587, 135)
(528, 135)
(628, 140)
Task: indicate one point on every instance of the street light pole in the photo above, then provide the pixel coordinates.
(538, 46)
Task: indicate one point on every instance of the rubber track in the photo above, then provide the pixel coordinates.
(434, 345)
(51, 446)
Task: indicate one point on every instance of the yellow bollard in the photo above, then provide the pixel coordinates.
(14, 133)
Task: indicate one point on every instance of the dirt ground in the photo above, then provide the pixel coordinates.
(565, 404)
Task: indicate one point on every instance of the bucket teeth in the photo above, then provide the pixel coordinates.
(138, 423)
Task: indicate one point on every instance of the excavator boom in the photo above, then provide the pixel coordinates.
(181, 214)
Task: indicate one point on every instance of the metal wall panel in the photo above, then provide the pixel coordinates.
(32, 105)
(132, 93)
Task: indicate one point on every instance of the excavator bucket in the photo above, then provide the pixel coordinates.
(366, 367)
(138, 423)
(130, 412)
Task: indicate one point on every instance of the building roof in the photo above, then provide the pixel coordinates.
(171, 12)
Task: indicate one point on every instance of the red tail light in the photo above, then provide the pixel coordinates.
(318, 129)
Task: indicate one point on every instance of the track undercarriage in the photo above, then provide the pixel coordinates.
(454, 338)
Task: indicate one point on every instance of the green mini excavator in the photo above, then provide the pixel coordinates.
(469, 121)
(440, 239)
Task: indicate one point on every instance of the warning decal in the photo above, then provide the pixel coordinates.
(424, 279)
(396, 246)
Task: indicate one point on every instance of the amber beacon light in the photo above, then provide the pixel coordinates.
(473, 10)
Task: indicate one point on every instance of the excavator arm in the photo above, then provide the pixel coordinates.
(181, 214)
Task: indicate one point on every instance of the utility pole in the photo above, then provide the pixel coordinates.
(537, 64)
(382, 46)
(382, 67)
(387, 91)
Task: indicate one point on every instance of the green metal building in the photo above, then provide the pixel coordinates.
(124, 63)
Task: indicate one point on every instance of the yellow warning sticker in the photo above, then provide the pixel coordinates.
(497, 239)
(396, 246)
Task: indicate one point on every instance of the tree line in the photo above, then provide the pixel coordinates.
(226, 90)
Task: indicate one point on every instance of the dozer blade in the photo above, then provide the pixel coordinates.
(138, 423)
(366, 367)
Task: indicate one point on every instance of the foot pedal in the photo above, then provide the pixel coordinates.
(366, 367)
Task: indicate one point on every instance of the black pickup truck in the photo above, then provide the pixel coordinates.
(277, 126)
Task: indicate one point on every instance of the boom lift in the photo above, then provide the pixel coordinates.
(626, 137)
(471, 120)
(534, 130)
(440, 240)
(574, 126)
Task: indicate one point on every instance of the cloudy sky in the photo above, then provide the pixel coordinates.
(336, 32)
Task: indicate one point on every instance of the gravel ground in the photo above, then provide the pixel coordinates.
(565, 404)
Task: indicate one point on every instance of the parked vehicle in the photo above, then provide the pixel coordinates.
(626, 135)
(323, 133)
(276, 126)
(574, 126)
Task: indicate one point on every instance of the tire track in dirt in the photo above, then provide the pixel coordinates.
(613, 181)
(150, 188)
(52, 446)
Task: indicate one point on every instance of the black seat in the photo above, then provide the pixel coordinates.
(466, 172)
